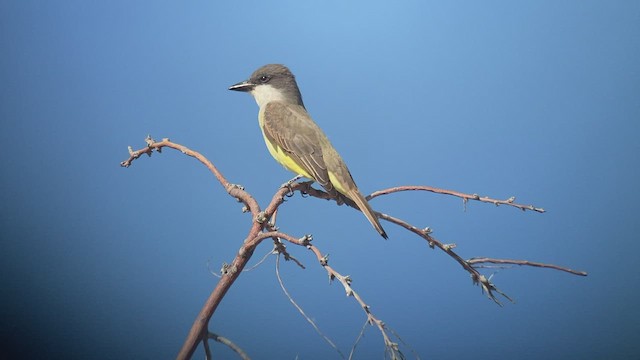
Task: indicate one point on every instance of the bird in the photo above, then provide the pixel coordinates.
(296, 141)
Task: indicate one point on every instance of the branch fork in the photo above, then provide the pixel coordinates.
(264, 228)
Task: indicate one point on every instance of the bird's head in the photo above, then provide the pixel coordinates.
(273, 82)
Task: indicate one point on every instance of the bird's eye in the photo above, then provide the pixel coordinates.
(264, 78)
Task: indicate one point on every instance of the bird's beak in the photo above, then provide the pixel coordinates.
(242, 86)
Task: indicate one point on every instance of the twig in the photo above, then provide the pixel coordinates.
(261, 261)
(229, 343)
(360, 336)
(465, 197)
(280, 248)
(301, 311)
(391, 348)
(478, 260)
(235, 191)
(487, 286)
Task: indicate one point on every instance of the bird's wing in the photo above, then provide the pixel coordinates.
(292, 129)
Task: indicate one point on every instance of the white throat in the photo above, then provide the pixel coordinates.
(264, 94)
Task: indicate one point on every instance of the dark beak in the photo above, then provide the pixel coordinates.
(242, 86)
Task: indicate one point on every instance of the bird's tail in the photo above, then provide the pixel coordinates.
(362, 204)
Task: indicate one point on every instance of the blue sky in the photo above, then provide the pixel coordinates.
(540, 100)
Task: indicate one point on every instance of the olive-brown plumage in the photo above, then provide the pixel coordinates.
(296, 141)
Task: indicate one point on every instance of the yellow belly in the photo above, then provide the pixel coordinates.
(337, 184)
(284, 159)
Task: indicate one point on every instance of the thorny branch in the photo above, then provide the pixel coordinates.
(391, 347)
(465, 197)
(259, 232)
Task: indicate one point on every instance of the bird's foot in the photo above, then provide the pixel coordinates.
(289, 185)
(290, 182)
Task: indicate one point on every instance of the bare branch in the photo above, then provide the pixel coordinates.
(391, 348)
(301, 311)
(425, 233)
(229, 343)
(235, 191)
(280, 248)
(263, 227)
(360, 336)
(478, 260)
(465, 197)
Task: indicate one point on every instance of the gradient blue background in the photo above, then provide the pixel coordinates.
(537, 99)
